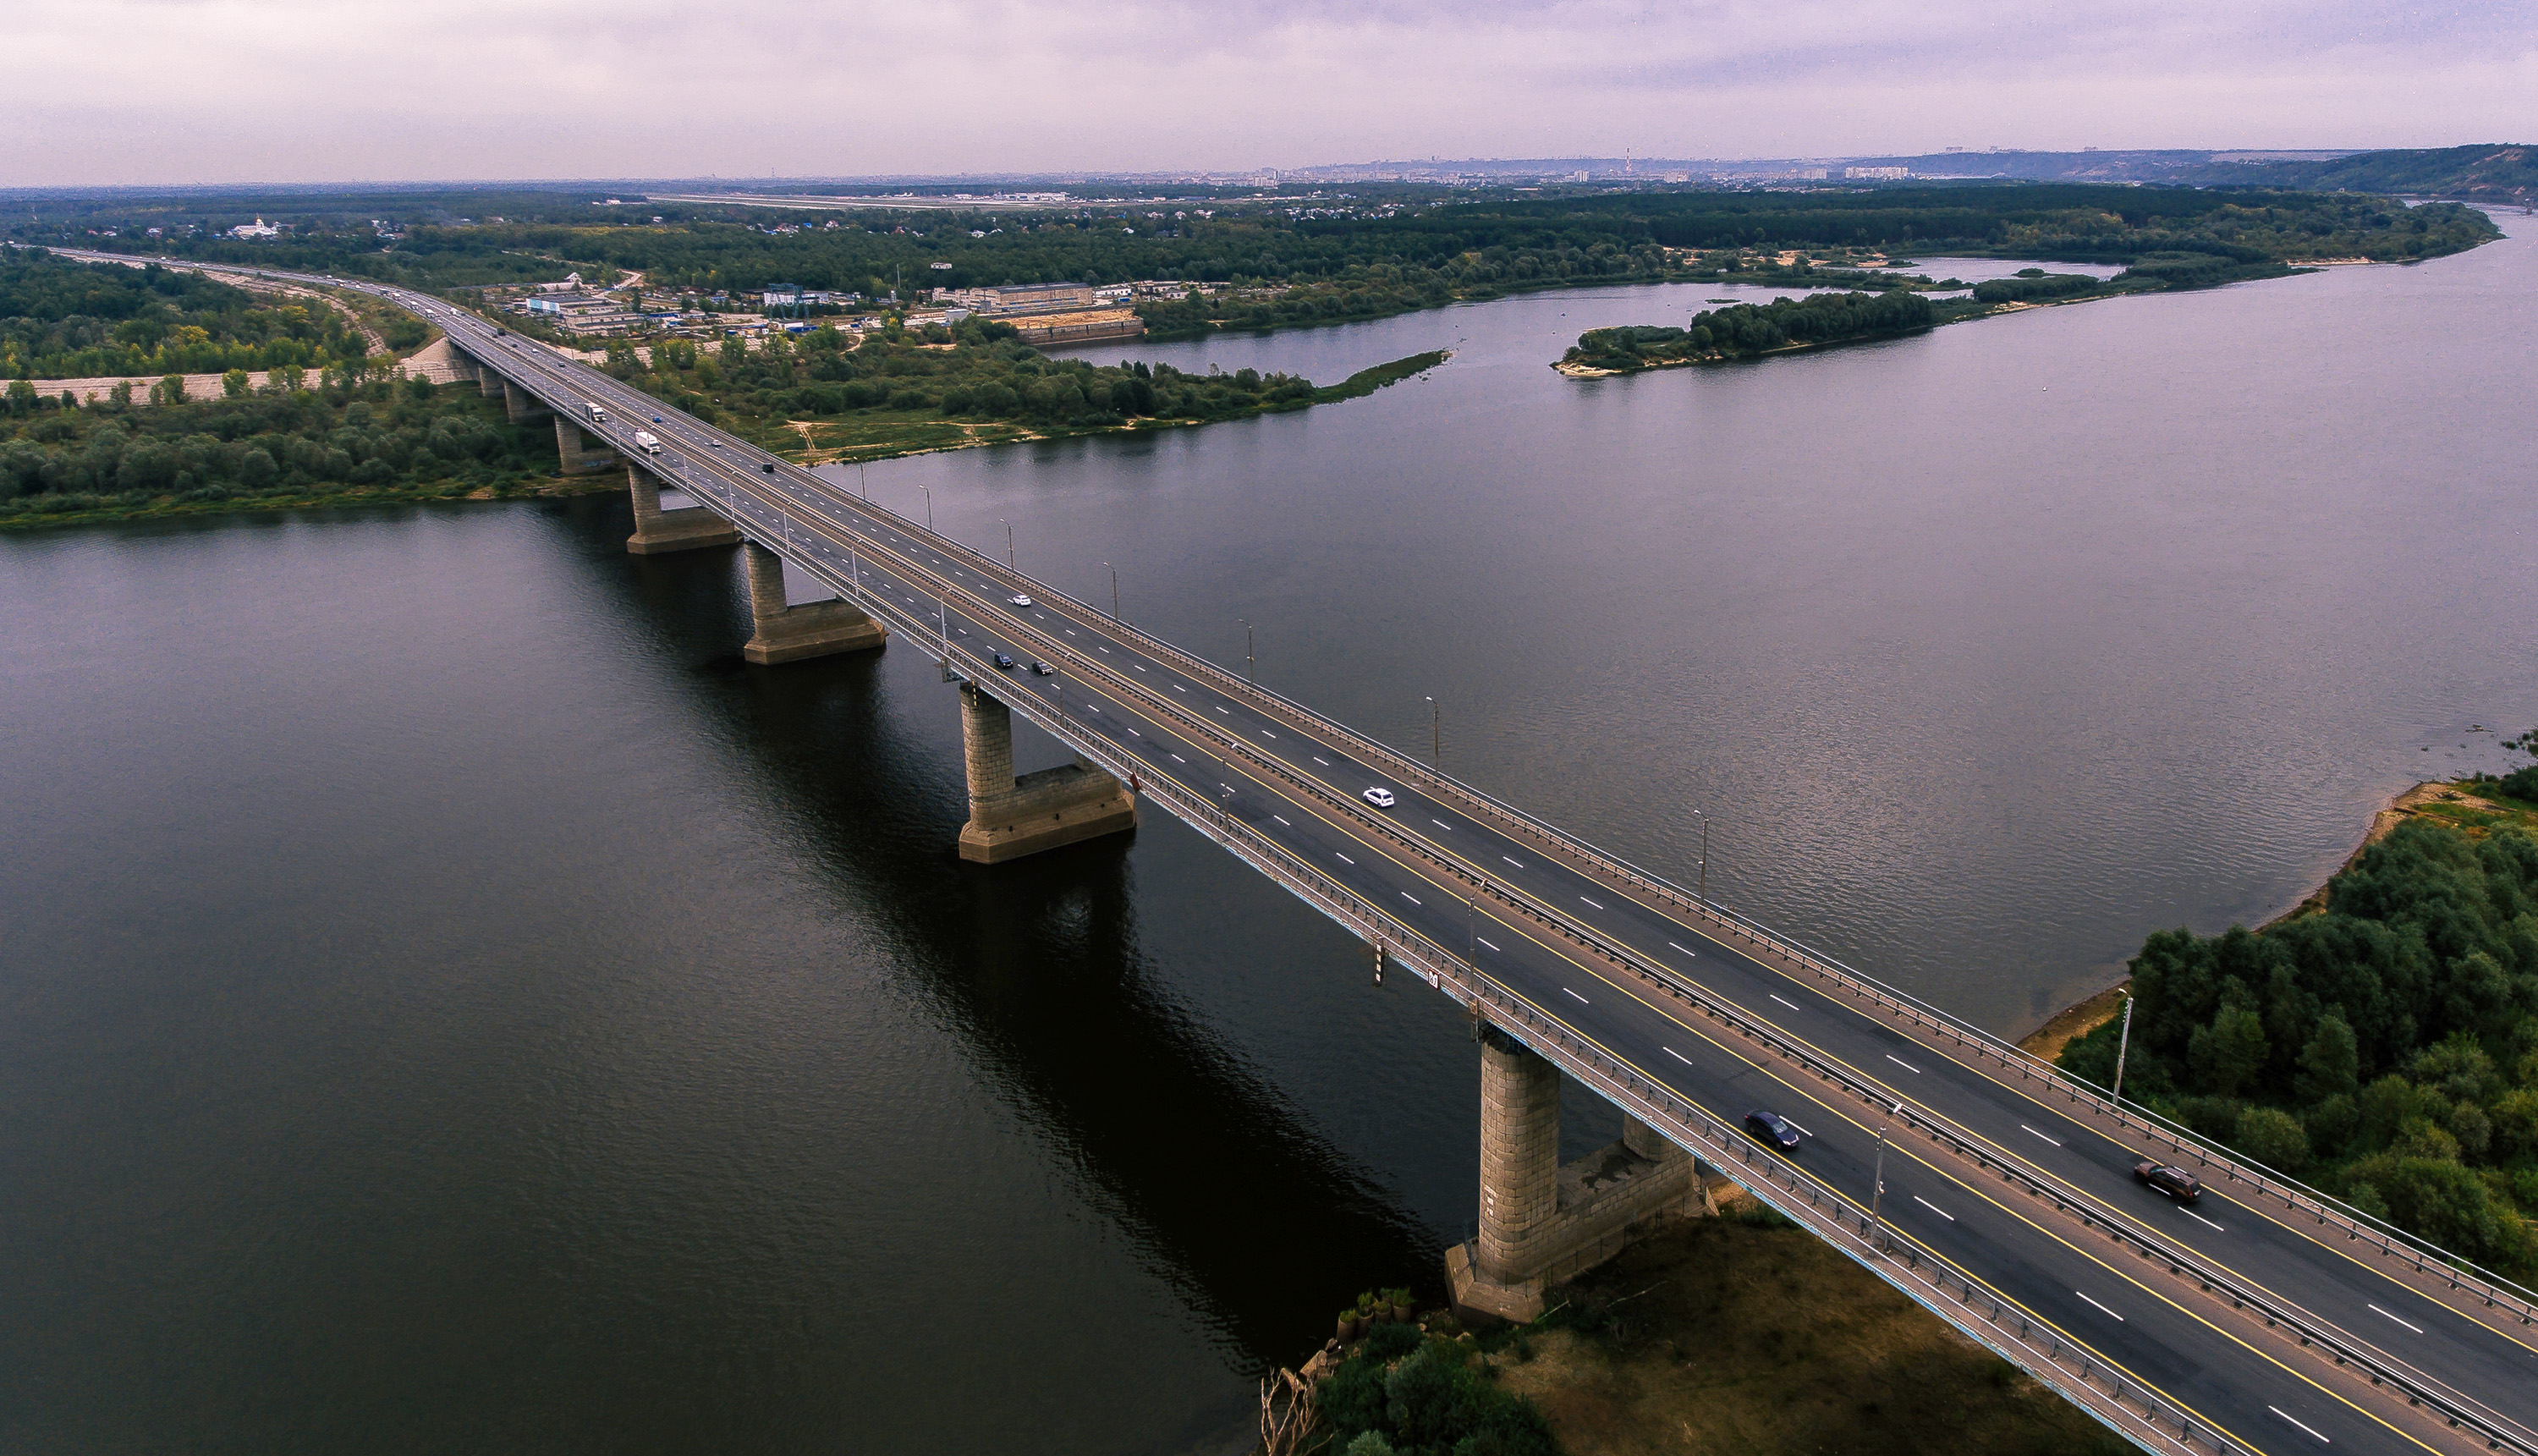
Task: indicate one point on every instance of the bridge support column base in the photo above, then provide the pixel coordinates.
(1009, 816)
(785, 634)
(1543, 1222)
(488, 382)
(1478, 1299)
(1048, 810)
(519, 404)
(658, 532)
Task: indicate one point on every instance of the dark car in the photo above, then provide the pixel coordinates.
(1043, 668)
(2175, 1182)
(1773, 1130)
(1003, 663)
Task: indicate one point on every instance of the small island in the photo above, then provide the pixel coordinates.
(2238, 245)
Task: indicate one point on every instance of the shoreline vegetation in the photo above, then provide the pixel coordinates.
(2377, 1041)
(2248, 253)
(355, 430)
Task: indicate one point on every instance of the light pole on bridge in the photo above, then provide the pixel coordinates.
(1247, 663)
(1877, 1188)
(1114, 592)
(1009, 542)
(929, 505)
(1436, 736)
(1705, 855)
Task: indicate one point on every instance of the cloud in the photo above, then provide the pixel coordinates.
(174, 91)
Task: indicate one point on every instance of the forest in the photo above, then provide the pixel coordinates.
(1747, 329)
(326, 438)
(2384, 1049)
(61, 319)
(1284, 266)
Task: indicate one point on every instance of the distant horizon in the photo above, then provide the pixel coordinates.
(1515, 166)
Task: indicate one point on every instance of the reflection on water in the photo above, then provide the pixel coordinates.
(451, 1003)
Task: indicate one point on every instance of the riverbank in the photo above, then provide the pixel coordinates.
(2442, 801)
(1731, 1334)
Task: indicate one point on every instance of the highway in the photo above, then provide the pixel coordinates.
(1994, 1170)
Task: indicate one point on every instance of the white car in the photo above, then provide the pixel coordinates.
(1020, 601)
(1379, 798)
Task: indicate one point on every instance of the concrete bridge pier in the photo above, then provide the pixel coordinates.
(1542, 1222)
(521, 405)
(579, 453)
(658, 531)
(1010, 817)
(788, 634)
(488, 382)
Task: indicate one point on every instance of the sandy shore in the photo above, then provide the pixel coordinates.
(2074, 1021)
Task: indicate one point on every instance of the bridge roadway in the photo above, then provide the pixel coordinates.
(2017, 1184)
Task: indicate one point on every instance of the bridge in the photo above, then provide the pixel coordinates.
(1979, 1181)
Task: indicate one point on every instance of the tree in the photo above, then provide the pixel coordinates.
(2227, 1055)
(233, 385)
(168, 391)
(2273, 1138)
(2330, 1065)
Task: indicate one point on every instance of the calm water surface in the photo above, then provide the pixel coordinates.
(448, 1002)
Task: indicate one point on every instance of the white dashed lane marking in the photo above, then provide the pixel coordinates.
(1915, 1071)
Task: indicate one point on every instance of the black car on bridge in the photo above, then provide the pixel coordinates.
(2175, 1182)
(1772, 1131)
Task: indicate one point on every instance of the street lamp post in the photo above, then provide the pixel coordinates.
(1115, 591)
(1436, 736)
(1009, 541)
(1705, 855)
(929, 505)
(1247, 663)
(1877, 1190)
(2123, 1043)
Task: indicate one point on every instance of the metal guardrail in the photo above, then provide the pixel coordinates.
(2495, 1291)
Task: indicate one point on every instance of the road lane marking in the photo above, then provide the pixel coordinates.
(1951, 1218)
(1438, 823)
(1282, 819)
(1318, 759)
(1582, 1001)
(1343, 859)
(1139, 666)
(1133, 733)
(1785, 1001)
(2199, 1218)
(1678, 1056)
(1406, 895)
(1513, 861)
(1177, 759)
(1685, 948)
(2104, 1309)
(1265, 733)
(1900, 1062)
(1794, 1122)
(2287, 1416)
(1592, 902)
(1222, 710)
(2056, 1141)
(2385, 1315)
(1485, 940)
(1177, 687)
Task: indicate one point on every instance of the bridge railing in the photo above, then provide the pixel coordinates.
(2493, 1289)
(2463, 1274)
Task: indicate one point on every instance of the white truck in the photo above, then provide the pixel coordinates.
(598, 416)
(647, 441)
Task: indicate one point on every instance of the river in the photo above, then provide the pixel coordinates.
(447, 1002)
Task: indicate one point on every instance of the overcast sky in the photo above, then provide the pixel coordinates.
(224, 90)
